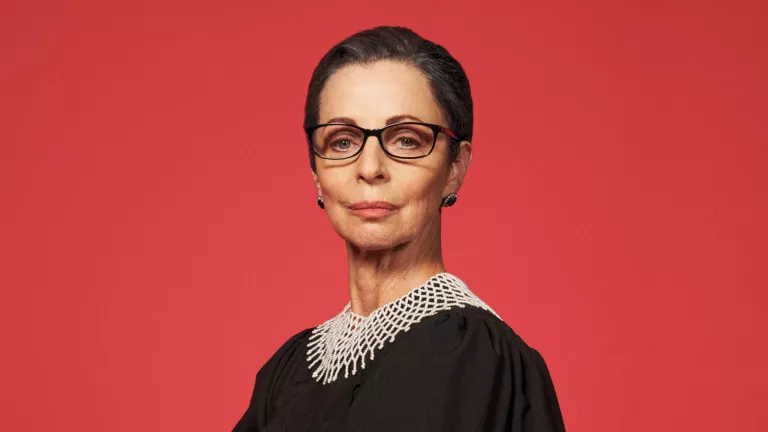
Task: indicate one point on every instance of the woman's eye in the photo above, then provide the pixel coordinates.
(408, 142)
(341, 145)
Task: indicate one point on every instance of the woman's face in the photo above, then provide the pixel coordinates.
(354, 190)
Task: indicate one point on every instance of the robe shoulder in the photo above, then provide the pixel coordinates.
(466, 369)
(268, 380)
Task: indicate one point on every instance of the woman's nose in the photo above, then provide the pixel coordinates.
(371, 163)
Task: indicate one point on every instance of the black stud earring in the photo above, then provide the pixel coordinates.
(450, 200)
(320, 202)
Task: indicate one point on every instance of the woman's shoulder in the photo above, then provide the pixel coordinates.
(285, 352)
(293, 343)
(297, 338)
(481, 330)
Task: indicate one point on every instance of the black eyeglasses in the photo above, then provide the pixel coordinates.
(407, 140)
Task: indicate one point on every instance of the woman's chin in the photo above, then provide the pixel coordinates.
(372, 241)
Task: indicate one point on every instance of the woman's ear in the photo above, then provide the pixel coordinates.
(317, 184)
(459, 168)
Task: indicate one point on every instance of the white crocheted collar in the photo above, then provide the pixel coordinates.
(348, 338)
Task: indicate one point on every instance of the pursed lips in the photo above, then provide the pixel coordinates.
(372, 209)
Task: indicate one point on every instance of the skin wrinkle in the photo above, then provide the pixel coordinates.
(387, 257)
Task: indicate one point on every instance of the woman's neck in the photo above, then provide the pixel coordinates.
(378, 277)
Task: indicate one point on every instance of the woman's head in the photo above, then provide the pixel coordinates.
(376, 78)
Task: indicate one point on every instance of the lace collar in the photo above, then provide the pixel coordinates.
(348, 338)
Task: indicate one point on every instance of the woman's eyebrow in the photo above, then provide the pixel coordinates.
(392, 120)
(345, 120)
(402, 117)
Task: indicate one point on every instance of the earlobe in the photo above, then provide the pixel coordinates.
(320, 201)
(460, 166)
(317, 184)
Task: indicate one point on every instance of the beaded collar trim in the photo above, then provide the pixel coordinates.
(348, 338)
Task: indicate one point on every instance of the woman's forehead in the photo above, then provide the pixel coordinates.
(371, 94)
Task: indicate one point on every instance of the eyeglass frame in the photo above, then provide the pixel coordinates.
(377, 133)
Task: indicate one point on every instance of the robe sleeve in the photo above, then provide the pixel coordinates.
(259, 409)
(471, 372)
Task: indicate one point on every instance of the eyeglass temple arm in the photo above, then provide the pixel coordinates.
(448, 132)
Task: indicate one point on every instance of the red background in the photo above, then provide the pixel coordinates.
(159, 237)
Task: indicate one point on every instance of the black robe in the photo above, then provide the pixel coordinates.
(458, 370)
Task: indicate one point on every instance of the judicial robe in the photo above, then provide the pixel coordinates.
(461, 369)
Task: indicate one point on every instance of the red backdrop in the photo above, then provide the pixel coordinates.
(155, 249)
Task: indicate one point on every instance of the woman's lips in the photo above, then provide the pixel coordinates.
(372, 209)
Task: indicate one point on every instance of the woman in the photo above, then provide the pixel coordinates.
(389, 120)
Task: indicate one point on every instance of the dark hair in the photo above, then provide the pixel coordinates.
(448, 82)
